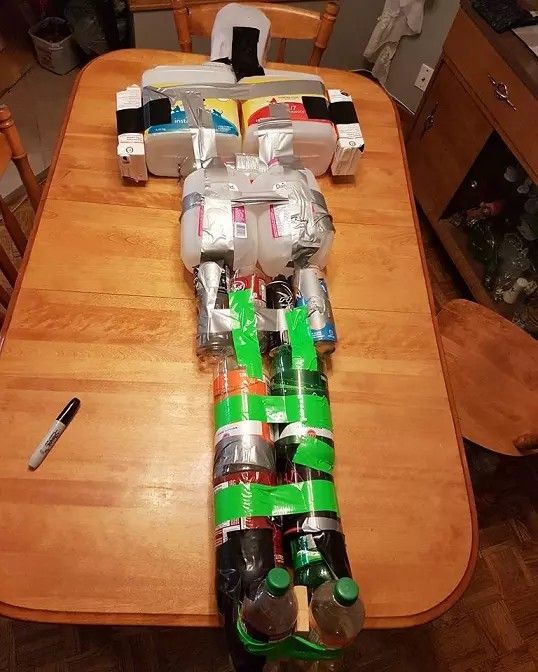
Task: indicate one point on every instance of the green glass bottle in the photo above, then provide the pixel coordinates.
(310, 568)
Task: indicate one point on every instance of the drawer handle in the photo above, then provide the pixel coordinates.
(500, 91)
(429, 120)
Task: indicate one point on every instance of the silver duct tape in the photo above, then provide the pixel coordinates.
(305, 217)
(279, 111)
(275, 138)
(259, 197)
(217, 229)
(250, 165)
(217, 224)
(196, 199)
(310, 290)
(221, 320)
(314, 524)
(192, 200)
(206, 284)
(244, 91)
(200, 122)
(193, 104)
(246, 450)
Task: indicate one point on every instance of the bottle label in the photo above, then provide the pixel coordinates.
(299, 429)
(224, 113)
(301, 106)
(243, 428)
(223, 530)
(253, 282)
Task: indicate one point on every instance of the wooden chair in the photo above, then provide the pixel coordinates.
(493, 370)
(286, 23)
(11, 149)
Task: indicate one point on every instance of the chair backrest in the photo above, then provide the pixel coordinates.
(11, 149)
(287, 23)
(493, 371)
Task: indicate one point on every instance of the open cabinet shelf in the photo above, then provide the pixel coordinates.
(455, 243)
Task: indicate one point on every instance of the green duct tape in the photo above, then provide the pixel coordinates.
(315, 454)
(308, 408)
(303, 351)
(246, 500)
(245, 336)
(291, 647)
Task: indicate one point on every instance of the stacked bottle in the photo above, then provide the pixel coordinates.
(314, 542)
(247, 548)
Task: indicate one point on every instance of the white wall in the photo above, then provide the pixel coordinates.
(423, 48)
(155, 30)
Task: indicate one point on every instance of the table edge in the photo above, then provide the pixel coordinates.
(112, 618)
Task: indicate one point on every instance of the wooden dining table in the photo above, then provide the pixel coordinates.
(116, 526)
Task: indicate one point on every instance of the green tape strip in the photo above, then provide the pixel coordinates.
(303, 351)
(308, 408)
(316, 454)
(291, 647)
(245, 336)
(246, 500)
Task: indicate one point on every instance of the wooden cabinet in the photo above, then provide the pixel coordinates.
(509, 104)
(485, 83)
(446, 137)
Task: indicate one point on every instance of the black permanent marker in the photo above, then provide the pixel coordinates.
(55, 431)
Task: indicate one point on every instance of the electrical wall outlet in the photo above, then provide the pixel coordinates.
(423, 78)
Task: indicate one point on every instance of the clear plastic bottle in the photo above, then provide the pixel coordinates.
(336, 613)
(272, 614)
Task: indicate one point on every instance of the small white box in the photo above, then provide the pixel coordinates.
(350, 141)
(131, 151)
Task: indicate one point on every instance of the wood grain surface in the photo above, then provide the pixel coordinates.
(116, 525)
(493, 367)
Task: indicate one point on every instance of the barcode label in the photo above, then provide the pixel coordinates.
(240, 221)
(240, 230)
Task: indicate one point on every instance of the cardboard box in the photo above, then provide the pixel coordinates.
(350, 142)
(130, 123)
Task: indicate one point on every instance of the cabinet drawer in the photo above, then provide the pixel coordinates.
(491, 78)
(447, 136)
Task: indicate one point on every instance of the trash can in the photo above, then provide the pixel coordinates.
(54, 45)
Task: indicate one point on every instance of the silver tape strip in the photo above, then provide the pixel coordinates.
(314, 524)
(217, 225)
(245, 449)
(200, 122)
(259, 197)
(245, 91)
(275, 139)
(196, 199)
(307, 215)
(221, 320)
(250, 165)
(207, 286)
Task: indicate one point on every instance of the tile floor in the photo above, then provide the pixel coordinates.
(37, 103)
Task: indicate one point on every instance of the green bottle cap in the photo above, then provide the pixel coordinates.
(278, 581)
(346, 592)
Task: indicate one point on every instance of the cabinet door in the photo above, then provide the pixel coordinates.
(447, 136)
